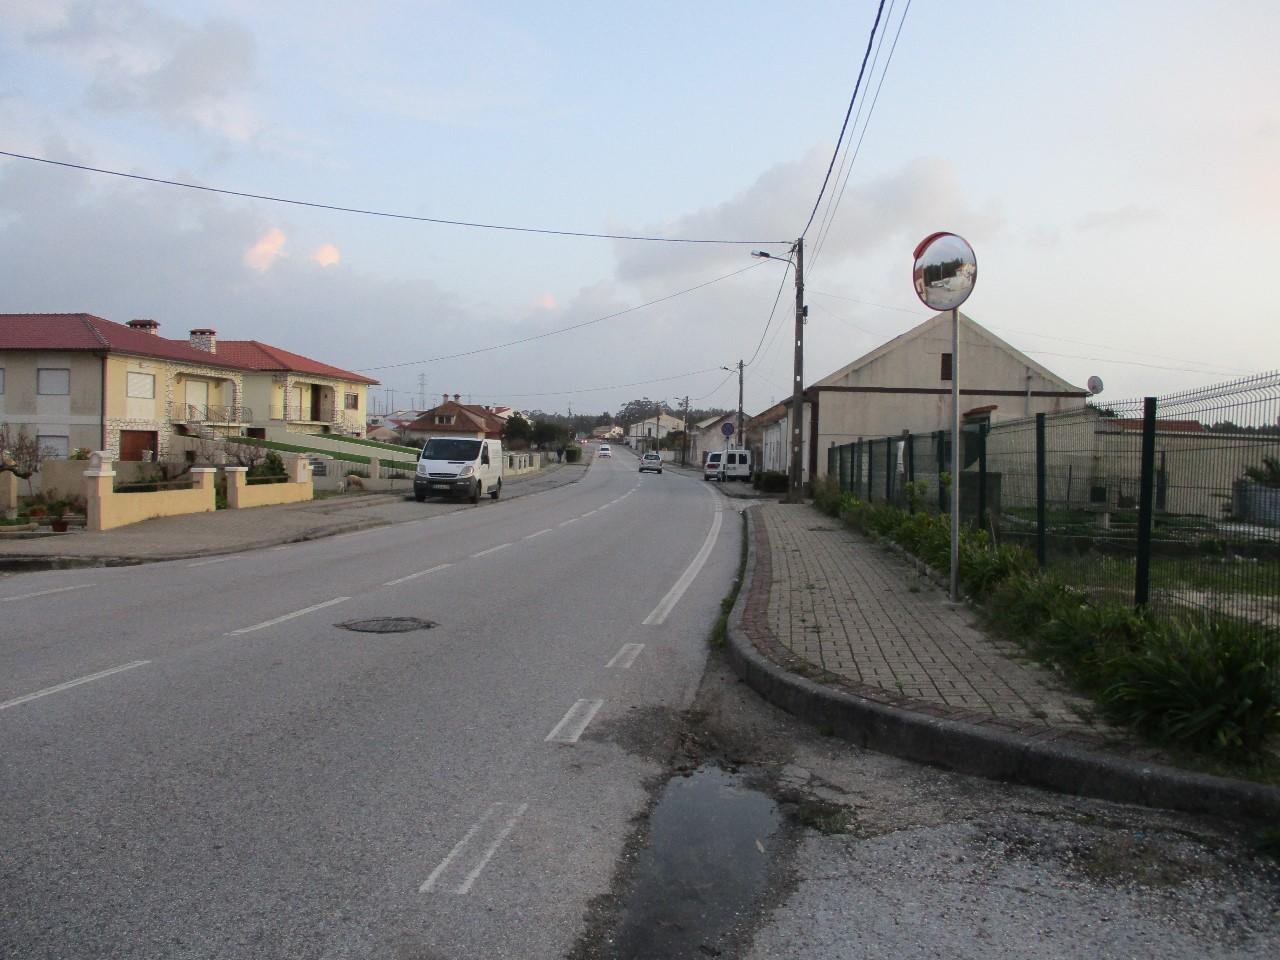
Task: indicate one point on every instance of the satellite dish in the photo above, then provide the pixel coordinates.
(1095, 385)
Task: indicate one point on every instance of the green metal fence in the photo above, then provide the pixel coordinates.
(1170, 501)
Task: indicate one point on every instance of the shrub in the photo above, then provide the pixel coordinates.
(572, 453)
(772, 481)
(1205, 683)
(827, 495)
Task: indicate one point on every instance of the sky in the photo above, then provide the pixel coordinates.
(1116, 167)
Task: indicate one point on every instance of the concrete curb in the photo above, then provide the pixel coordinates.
(994, 754)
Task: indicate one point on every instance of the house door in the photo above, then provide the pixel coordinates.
(315, 403)
(197, 397)
(133, 442)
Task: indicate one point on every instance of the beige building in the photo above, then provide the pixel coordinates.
(905, 384)
(77, 381)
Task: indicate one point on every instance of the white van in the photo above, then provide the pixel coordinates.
(459, 467)
(727, 465)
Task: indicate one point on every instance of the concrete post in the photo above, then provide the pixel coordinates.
(99, 483)
(301, 470)
(375, 468)
(236, 481)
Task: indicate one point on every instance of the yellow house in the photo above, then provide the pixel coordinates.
(79, 381)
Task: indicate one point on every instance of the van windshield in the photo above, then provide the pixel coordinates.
(450, 448)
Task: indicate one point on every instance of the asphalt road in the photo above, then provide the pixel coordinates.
(237, 776)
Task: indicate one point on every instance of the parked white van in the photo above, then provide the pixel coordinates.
(459, 467)
(727, 465)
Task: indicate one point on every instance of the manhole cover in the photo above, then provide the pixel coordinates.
(387, 625)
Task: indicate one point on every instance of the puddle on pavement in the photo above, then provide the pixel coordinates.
(706, 864)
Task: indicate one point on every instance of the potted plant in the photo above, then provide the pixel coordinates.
(58, 516)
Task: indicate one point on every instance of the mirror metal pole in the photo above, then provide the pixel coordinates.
(955, 455)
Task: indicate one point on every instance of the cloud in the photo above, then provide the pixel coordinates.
(326, 255)
(133, 57)
(1117, 219)
(889, 211)
(266, 251)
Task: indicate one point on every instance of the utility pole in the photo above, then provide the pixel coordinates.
(794, 492)
(422, 391)
(684, 444)
(741, 440)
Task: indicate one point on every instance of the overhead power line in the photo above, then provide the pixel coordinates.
(378, 213)
(826, 229)
(560, 330)
(861, 70)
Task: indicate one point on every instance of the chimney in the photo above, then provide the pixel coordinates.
(444, 398)
(143, 325)
(457, 397)
(205, 339)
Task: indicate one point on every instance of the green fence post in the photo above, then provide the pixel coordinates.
(1142, 581)
(1042, 533)
(982, 476)
(831, 461)
(940, 451)
(871, 463)
(890, 468)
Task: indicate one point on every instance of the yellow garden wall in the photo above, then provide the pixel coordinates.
(108, 509)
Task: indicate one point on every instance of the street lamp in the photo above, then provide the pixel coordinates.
(794, 492)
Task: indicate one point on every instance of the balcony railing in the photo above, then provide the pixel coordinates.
(201, 413)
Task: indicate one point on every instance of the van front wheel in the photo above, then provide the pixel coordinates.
(476, 491)
(496, 492)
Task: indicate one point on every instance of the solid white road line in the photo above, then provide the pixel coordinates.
(567, 522)
(485, 856)
(673, 596)
(590, 512)
(625, 657)
(45, 593)
(485, 553)
(71, 683)
(570, 728)
(287, 616)
(538, 534)
(420, 573)
(205, 563)
(492, 849)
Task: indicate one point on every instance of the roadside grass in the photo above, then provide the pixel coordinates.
(1207, 686)
(377, 444)
(720, 629)
(335, 454)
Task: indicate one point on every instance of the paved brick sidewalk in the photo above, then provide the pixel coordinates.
(861, 618)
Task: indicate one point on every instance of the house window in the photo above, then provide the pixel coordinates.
(444, 419)
(946, 366)
(52, 382)
(141, 386)
(1, 381)
(353, 401)
(53, 446)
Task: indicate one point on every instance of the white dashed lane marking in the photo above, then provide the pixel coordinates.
(450, 875)
(625, 657)
(571, 727)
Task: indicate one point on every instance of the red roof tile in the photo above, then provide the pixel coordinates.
(84, 331)
(261, 356)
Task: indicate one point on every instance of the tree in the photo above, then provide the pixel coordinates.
(547, 433)
(19, 453)
(517, 432)
(604, 420)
